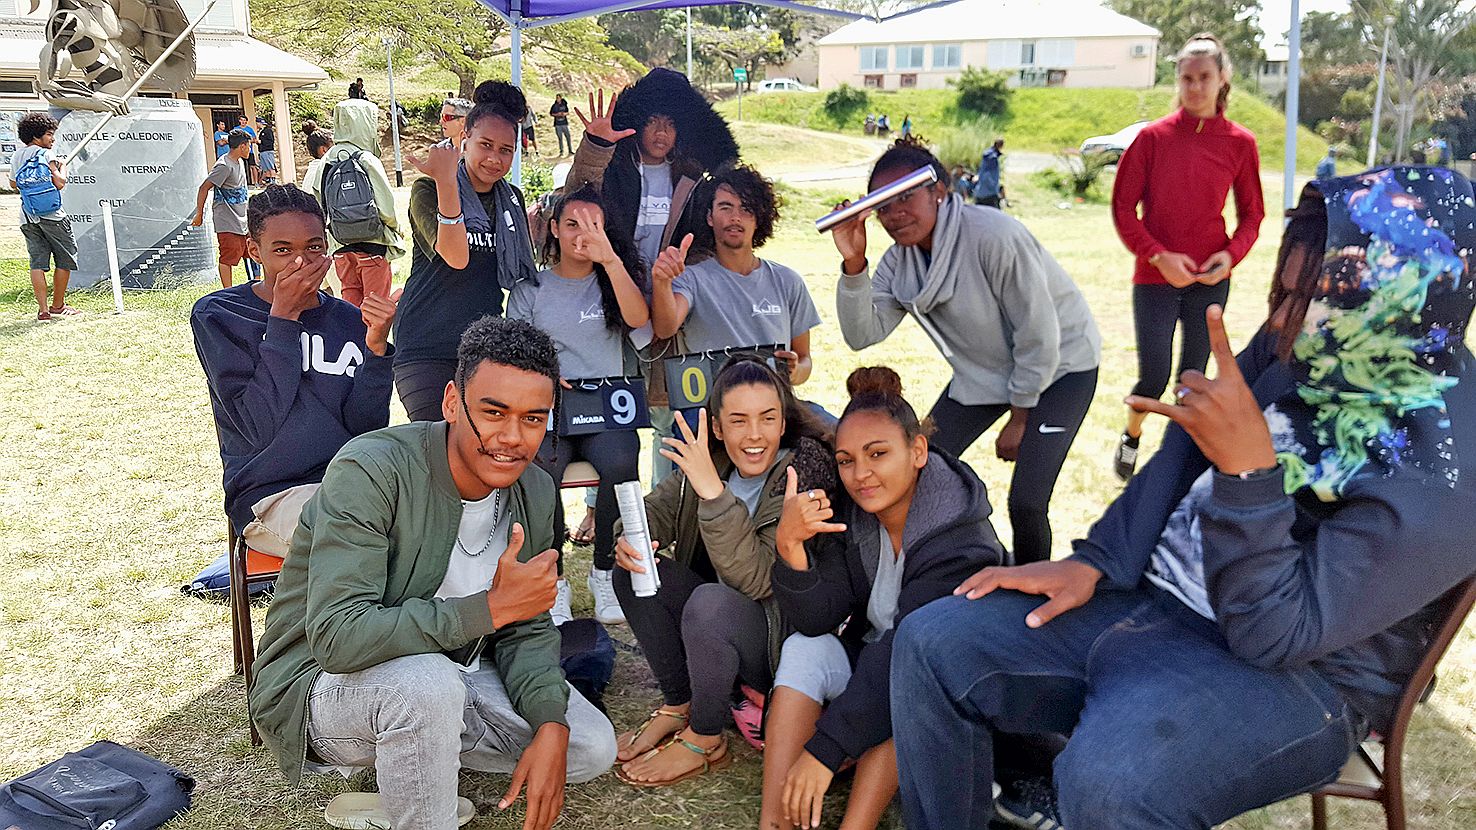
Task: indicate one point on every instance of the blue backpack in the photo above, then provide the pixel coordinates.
(39, 195)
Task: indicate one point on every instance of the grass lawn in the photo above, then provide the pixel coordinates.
(1039, 120)
(110, 499)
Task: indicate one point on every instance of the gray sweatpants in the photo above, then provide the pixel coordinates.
(419, 719)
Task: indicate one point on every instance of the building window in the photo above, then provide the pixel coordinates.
(947, 55)
(215, 99)
(872, 82)
(1056, 53)
(873, 57)
(907, 81)
(22, 88)
(1027, 53)
(909, 57)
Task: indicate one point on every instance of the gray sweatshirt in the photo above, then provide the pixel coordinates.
(1007, 317)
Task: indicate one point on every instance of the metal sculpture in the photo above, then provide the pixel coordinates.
(114, 45)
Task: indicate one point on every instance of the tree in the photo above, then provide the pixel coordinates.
(1235, 22)
(741, 47)
(1332, 39)
(1419, 52)
(457, 35)
(655, 38)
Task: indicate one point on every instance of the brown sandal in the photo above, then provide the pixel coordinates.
(640, 731)
(709, 763)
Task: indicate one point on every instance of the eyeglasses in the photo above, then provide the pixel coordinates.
(448, 117)
(905, 197)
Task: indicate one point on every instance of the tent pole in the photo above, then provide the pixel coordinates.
(516, 18)
(1293, 102)
(689, 44)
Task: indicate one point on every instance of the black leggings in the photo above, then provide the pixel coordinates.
(1049, 432)
(1156, 308)
(422, 386)
(699, 636)
(615, 456)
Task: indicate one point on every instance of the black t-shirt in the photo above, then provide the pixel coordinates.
(268, 139)
(560, 113)
(440, 302)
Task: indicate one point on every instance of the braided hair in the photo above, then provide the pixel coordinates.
(620, 242)
(907, 154)
(275, 200)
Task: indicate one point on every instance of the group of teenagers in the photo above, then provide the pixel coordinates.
(1238, 620)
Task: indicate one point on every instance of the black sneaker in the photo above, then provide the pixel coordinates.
(1125, 460)
(1029, 804)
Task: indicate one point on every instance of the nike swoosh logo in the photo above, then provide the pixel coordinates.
(1047, 429)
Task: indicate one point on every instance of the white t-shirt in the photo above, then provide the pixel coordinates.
(480, 540)
(655, 209)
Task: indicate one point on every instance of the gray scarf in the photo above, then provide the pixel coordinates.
(942, 277)
(511, 242)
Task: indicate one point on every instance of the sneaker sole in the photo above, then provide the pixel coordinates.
(1036, 821)
(361, 811)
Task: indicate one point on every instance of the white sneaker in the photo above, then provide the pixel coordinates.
(362, 811)
(561, 612)
(607, 606)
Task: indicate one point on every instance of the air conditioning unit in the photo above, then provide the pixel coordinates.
(1140, 50)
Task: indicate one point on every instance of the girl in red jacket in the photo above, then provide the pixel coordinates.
(1180, 169)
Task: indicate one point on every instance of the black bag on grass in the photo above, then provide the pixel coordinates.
(102, 787)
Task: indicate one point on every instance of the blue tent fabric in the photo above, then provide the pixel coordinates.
(214, 581)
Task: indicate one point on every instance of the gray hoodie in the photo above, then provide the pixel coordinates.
(1007, 317)
(355, 129)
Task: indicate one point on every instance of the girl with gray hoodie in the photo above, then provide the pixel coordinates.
(1009, 320)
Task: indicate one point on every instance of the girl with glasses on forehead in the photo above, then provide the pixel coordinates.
(1009, 320)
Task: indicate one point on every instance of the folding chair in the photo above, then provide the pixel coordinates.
(579, 474)
(247, 567)
(1366, 779)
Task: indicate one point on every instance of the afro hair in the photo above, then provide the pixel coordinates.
(703, 136)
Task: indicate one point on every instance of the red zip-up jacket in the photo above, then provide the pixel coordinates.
(1180, 169)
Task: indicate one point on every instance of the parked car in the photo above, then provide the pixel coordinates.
(1114, 145)
(783, 85)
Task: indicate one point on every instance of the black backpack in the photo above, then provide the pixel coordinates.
(347, 195)
(102, 787)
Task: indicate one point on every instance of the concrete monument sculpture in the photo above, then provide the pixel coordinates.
(144, 157)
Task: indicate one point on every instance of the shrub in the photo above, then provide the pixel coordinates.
(982, 92)
(844, 103)
(965, 143)
(538, 179)
(425, 108)
(1077, 176)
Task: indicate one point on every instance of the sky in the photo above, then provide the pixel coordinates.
(1276, 16)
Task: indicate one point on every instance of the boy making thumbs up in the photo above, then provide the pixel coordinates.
(410, 628)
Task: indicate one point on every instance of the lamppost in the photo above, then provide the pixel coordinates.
(1373, 137)
(394, 105)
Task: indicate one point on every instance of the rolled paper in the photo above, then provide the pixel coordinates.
(877, 198)
(638, 536)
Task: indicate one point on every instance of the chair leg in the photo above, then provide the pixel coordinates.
(236, 590)
(1319, 811)
(248, 657)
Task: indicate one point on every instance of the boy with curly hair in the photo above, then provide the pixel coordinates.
(48, 231)
(734, 299)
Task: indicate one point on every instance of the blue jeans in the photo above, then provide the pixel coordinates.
(1168, 728)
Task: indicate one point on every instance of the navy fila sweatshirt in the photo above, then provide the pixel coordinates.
(286, 395)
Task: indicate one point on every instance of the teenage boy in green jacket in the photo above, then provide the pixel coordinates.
(399, 637)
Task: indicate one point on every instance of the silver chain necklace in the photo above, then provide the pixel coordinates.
(496, 510)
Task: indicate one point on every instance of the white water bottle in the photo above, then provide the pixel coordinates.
(638, 536)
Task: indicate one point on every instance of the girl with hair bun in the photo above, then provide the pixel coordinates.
(1011, 323)
(462, 261)
(914, 522)
(1180, 169)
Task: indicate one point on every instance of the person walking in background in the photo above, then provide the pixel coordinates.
(244, 124)
(453, 121)
(1012, 325)
(906, 126)
(559, 112)
(356, 89)
(40, 178)
(1180, 170)
(319, 142)
(227, 184)
(988, 182)
(267, 151)
(530, 137)
(1328, 167)
(362, 227)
